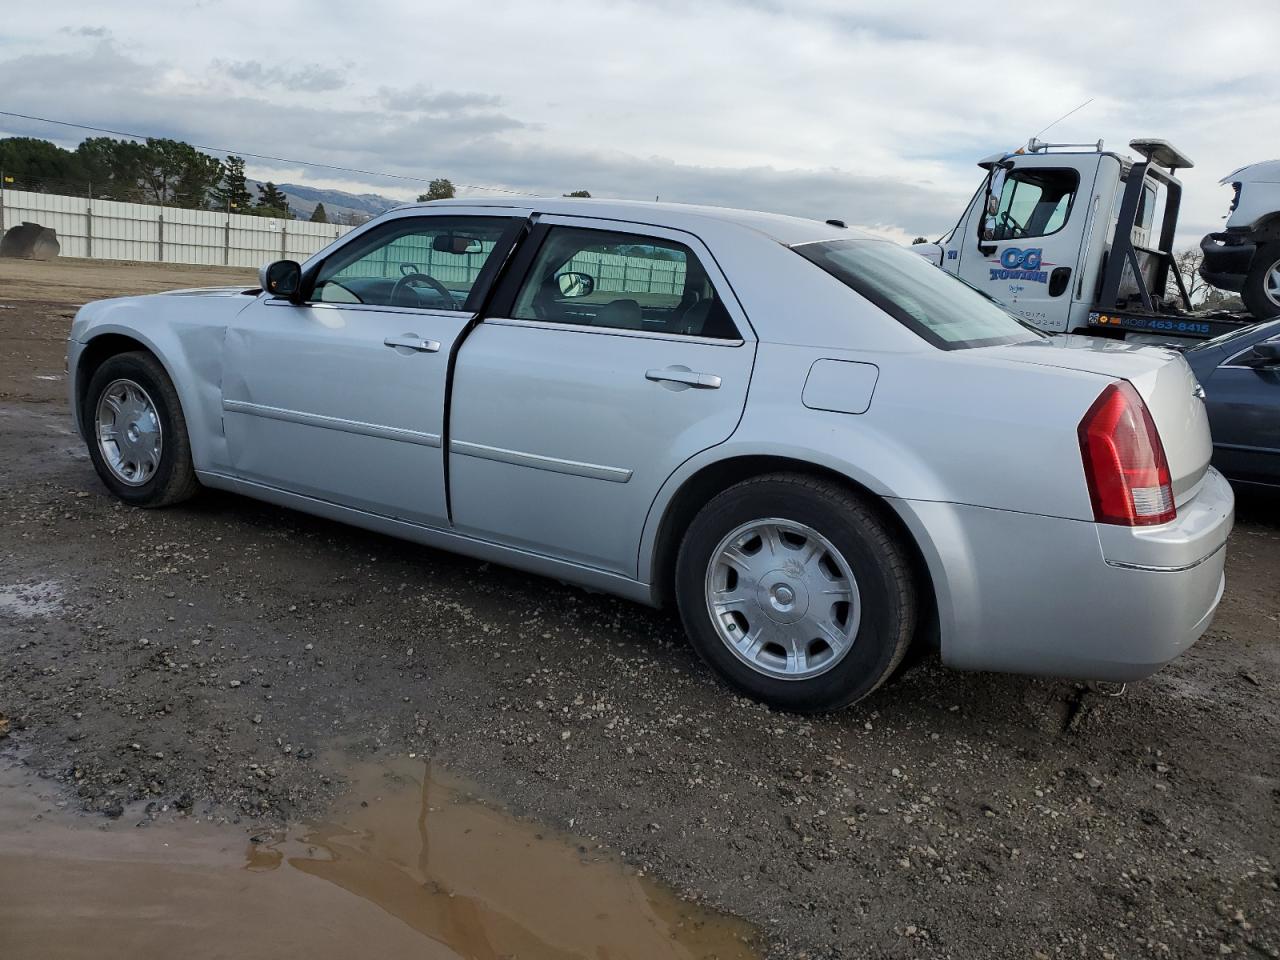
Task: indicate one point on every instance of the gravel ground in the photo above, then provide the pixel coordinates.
(202, 659)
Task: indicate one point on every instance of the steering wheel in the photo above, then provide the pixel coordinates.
(1013, 228)
(408, 281)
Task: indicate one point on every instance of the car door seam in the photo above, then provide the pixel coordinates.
(521, 234)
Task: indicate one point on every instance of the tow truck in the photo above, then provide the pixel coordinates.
(1075, 238)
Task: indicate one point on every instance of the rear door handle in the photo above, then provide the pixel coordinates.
(685, 376)
(411, 341)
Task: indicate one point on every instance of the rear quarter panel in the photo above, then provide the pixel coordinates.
(945, 426)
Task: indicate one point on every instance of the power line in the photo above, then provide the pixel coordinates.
(258, 156)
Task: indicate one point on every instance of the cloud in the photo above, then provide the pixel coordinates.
(422, 99)
(846, 108)
(308, 79)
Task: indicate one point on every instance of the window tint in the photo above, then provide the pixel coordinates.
(1033, 203)
(941, 309)
(622, 281)
(428, 262)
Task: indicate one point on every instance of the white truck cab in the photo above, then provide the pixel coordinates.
(1074, 237)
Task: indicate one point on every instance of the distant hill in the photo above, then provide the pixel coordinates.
(338, 204)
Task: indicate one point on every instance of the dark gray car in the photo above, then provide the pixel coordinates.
(1240, 373)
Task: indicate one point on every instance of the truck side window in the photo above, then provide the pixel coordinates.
(1033, 203)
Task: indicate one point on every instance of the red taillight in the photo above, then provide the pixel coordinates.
(1124, 461)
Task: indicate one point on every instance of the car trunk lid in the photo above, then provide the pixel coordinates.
(1162, 378)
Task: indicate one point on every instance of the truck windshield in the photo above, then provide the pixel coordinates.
(943, 310)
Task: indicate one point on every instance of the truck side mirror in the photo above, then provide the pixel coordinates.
(991, 201)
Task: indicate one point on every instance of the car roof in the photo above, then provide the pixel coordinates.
(784, 229)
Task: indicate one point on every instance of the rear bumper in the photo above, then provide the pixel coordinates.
(1227, 259)
(1022, 593)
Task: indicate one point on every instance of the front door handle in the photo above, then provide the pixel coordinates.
(411, 341)
(684, 376)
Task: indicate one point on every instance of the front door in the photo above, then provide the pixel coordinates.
(342, 397)
(1025, 254)
(609, 358)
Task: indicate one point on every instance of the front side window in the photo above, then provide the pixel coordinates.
(1033, 203)
(427, 262)
(943, 310)
(622, 281)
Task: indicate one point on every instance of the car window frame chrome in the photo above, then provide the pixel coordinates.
(1231, 364)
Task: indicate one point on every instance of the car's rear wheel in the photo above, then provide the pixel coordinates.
(1261, 292)
(136, 432)
(796, 592)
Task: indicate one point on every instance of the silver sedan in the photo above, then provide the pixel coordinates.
(820, 448)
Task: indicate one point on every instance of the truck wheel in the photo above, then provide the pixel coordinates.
(796, 592)
(136, 432)
(1262, 287)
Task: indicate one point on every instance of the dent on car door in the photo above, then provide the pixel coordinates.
(609, 357)
(341, 397)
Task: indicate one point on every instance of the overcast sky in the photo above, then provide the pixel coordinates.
(868, 111)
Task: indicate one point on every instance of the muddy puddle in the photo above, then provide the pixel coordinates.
(407, 867)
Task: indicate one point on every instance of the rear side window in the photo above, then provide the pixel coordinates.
(943, 310)
(622, 281)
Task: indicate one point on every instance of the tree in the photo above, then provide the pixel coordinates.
(175, 172)
(233, 192)
(579, 193)
(271, 202)
(1188, 262)
(318, 215)
(438, 189)
(918, 240)
(112, 168)
(39, 165)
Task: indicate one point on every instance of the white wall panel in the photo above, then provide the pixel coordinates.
(112, 230)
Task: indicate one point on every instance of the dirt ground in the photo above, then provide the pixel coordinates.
(203, 658)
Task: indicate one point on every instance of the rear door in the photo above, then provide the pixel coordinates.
(1026, 253)
(342, 398)
(611, 355)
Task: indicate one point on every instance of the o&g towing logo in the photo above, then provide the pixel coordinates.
(1016, 264)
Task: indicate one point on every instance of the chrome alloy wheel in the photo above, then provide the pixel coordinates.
(1271, 283)
(130, 437)
(783, 599)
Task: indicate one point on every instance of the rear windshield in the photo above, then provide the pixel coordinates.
(943, 310)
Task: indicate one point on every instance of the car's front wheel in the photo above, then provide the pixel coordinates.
(796, 592)
(136, 432)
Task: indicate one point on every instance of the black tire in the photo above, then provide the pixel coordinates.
(875, 557)
(174, 479)
(1265, 260)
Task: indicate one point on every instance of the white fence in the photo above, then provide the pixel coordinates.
(111, 230)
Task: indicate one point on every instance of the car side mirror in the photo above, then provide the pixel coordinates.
(282, 279)
(576, 284)
(1268, 351)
